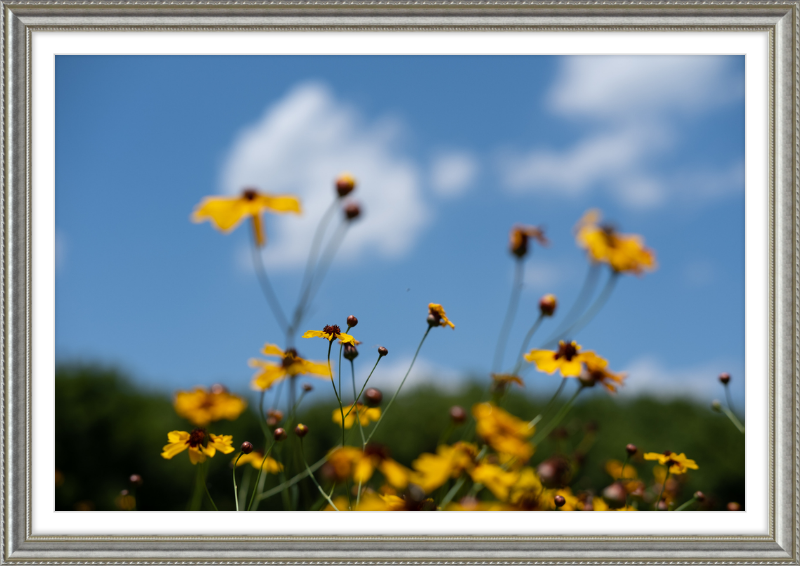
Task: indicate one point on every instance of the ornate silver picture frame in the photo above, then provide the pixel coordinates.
(779, 20)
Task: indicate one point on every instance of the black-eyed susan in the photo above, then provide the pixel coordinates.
(675, 463)
(291, 364)
(365, 415)
(350, 462)
(199, 443)
(519, 236)
(256, 459)
(568, 359)
(225, 213)
(624, 253)
(437, 316)
(202, 406)
(595, 372)
(504, 432)
(331, 333)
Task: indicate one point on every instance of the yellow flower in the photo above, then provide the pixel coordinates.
(365, 414)
(504, 432)
(596, 372)
(614, 469)
(495, 479)
(433, 470)
(548, 496)
(501, 381)
(438, 316)
(225, 213)
(567, 359)
(623, 252)
(270, 465)
(518, 239)
(527, 490)
(676, 463)
(350, 462)
(291, 364)
(180, 441)
(203, 406)
(331, 333)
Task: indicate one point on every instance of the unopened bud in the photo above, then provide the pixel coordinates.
(559, 500)
(307, 387)
(352, 321)
(700, 496)
(124, 492)
(631, 449)
(434, 319)
(547, 305)
(247, 447)
(345, 184)
(458, 414)
(373, 397)
(615, 495)
(279, 434)
(136, 480)
(352, 211)
(218, 388)
(716, 406)
(382, 351)
(724, 378)
(733, 506)
(301, 430)
(662, 506)
(350, 352)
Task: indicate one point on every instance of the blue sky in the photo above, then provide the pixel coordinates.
(450, 152)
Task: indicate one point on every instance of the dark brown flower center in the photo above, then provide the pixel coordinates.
(289, 358)
(332, 329)
(610, 234)
(196, 438)
(249, 194)
(566, 351)
(378, 450)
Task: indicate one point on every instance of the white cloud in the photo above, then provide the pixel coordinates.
(629, 104)
(543, 276)
(649, 376)
(389, 375)
(453, 172)
(299, 146)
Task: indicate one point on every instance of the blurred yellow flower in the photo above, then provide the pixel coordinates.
(225, 213)
(365, 414)
(495, 479)
(527, 490)
(194, 442)
(623, 252)
(433, 470)
(568, 359)
(255, 459)
(331, 333)
(501, 380)
(519, 236)
(203, 406)
(614, 469)
(437, 312)
(291, 364)
(504, 432)
(350, 462)
(675, 463)
(596, 372)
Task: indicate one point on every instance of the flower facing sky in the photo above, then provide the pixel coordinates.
(675, 463)
(199, 443)
(331, 333)
(437, 312)
(291, 364)
(624, 253)
(568, 359)
(203, 406)
(225, 213)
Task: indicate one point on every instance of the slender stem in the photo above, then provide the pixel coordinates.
(511, 311)
(453, 491)
(358, 418)
(542, 434)
(258, 477)
(686, 505)
(365, 385)
(205, 485)
(734, 419)
(197, 497)
(389, 405)
(339, 370)
(580, 303)
(266, 288)
(598, 304)
(275, 490)
(235, 489)
(525, 343)
(327, 259)
(285, 493)
(310, 474)
(341, 409)
(276, 400)
(660, 495)
(547, 407)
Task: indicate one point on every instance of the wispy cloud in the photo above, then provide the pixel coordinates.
(453, 172)
(425, 372)
(301, 143)
(650, 376)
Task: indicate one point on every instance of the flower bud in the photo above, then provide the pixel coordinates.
(559, 501)
(301, 430)
(373, 397)
(631, 449)
(434, 319)
(716, 406)
(352, 321)
(345, 184)
(547, 305)
(458, 414)
(124, 492)
(733, 506)
(136, 480)
(615, 495)
(279, 434)
(352, 211)
(308, 387)
(218, 389)
(350, 352)
(724, 378)
(382, 351)
(247, 447)
(662, 506)
(700, 496)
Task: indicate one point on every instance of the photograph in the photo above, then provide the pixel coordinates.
(400, 283)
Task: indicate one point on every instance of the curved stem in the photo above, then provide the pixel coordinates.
(358, 418)
(205, 485)
(266, 288)
(311, 475)
(258, 477)
(547, 407)
(598, 304)
(235, 489)
(686, 505)
(365, 386)
(389, 405)
(660, 495)
(289, 483)
(580, 303)
(525, 343)
(511, 311)
(542, 434)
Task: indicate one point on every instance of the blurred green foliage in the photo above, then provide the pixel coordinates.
(108, 429)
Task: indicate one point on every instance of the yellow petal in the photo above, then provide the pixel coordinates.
(195, 456)
(280, 203)
(171, 450)
(395, 474)
(225, 213)
(345, 338)
(363, 470)
(271, 350)
(223, 443)
(316, 334)
(571, 368)
(269, 375)
(314, 368)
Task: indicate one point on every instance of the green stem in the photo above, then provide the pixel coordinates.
(205, 485)
(542, 434)
(733, 419)
(358, 418)
(365, 385)
(547, 407)
(528, 336)
(511, 311)
(686, 505)
(235, 489)
(598, 304)
(266, 288)
(325, 261)
(585, 293)
(453, 491)
(258, 477)
(299, 477)
(660, 495)
(389, 405)
(311, 475)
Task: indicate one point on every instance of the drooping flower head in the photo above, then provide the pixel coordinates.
(203, 406)
(291, 364)
(365, 415)
(501, 381)
(624, 253)
(331, 333)
(596, 372)
(568, 359)
(437, 316)
(519, 236)
(504, 432)
(675, 463)
(199, 443)
(225, 213)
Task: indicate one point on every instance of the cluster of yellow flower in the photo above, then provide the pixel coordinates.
(490, 468)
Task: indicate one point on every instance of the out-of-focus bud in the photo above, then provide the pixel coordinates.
(352, 321)
(700, 496)
(373, 397)
(274, 417)
(662, 506)
(247, 447)
(301, 430)
(554, 472)
(279, 434)
(547, 305)
(218, 388)
(724, 378)
(458, 414)
(434, 319)
(352, 211)
(308, 387)
(631, 449)
(716, 406)
(350, 352)
(733, 506)
(136, 480)
(615, 495)
(345, 184)
(382, 351)
(559, 501)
